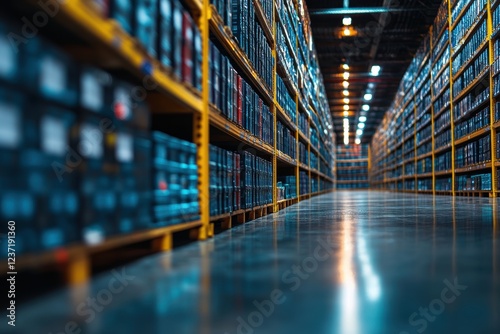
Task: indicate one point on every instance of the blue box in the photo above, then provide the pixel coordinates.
(51, 74)
(123, 12)
(146, 12)
(165, 27)
(95, 91)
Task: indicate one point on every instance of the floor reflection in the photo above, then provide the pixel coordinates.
(347, 263)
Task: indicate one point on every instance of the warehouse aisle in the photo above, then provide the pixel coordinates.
(348, 262)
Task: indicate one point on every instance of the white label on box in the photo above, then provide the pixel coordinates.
(53, 75)
(54, 138)
(7, 58)
(91, 92)
(124, 147)
(10, 126)
(91, 142)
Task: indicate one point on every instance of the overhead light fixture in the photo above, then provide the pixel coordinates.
(362, 119)
(345, 67)
(359, 132)
(346, 113)
(366, 107)
(361, 125)
(371, 85)
(375, 71)
(346, 100)
(346, 141)
(347, 31)
(346, 75)
(357, 141)
(346, 107)
(345, 92)
(345, 84)
(347, 21)
(368, 97)
(346, 122)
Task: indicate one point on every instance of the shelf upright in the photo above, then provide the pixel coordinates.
(415, 187)
(433, 148)
(493, 132)
(452, 117)
(202, 128)
(275, 110)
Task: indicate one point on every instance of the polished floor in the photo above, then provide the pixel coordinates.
(346, 262)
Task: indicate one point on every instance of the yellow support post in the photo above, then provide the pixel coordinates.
(201, 129)
(275, 111)
(431, 32)
(494, 184)
(452, 118)
(78, 270)
(297, 155)
(415, 185)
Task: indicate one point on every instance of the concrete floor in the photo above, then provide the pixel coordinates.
(348, 262)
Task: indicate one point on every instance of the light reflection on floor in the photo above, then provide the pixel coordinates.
(389, 256)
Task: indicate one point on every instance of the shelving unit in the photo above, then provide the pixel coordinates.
(463, 53)
(122, 52)
(352, 166)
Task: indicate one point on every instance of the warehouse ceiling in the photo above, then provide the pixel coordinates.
(384, 33)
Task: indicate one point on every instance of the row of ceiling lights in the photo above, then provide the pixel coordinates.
(375, 71)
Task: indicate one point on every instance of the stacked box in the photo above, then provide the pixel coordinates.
(476, 152)
(480, 120)
(286, 101)
(289, 183)
(236, 99)
(224, 8)
(304, 181)
(225, 181)
(248, 180)
(38, 188)
(10, 69)
(146, 24)
(286, 140)
(50, 73)
(481, 182)
(175, 181)
(123, 12)
(251, 38)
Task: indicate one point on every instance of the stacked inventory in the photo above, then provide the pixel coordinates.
(352, 167)
(459, 156)
(119, 141)
(175, 181)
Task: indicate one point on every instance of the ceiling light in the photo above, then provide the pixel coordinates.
(346, 107)
(362, 119)
(345, 67)
(347, 21)
(375, 71)
(346, 100)
(368, 97)
(371, 85)
(361, 125)
(345, 92)
(347, 31)
(359, 132)
(346, 122)
(345, 84)
(357, 141)
(365, 106)
(346, 75)
(346, 113)
(346, 141)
